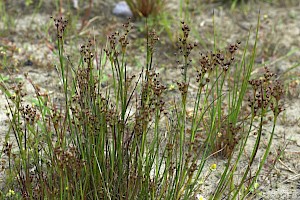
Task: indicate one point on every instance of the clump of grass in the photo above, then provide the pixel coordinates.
(126, 141)
(145, 8)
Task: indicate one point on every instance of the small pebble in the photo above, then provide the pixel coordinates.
(75, 4)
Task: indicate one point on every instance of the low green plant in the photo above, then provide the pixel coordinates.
(125, 141)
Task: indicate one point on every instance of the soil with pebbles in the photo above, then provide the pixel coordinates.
(27, 43)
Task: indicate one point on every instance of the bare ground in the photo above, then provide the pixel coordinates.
(28, 44)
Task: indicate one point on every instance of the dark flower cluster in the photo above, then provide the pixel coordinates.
(210, 60)
(153, 38)
(86, 52)
(185, 48)
(266, 92)
(61, 25)
(117, 38)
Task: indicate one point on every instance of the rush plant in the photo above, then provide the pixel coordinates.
(121, 139)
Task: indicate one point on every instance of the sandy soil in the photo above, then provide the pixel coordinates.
(29, 42)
